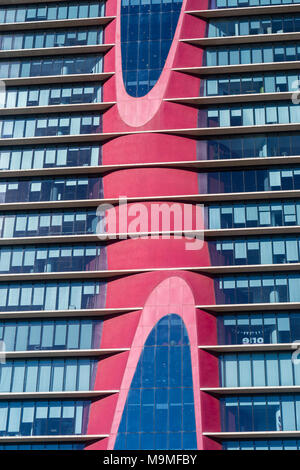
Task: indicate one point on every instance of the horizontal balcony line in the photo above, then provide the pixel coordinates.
(61, 79)
(112, 273)
(21, 2)
(189, 198)
(66, 23)
(96, 312)
(85, 238)
(249, 39)
(40, 353)
(242, 98)
(244, 11)
(188, 132)
(61, 139)
(228, 348)
(52, 51)
(221, 391)
(61, 108)
(239, 68)
(90, 238)
(74, 395)
(248, 308)
(233, 232)
(231, 130)
(52, 438)
(221, 436)
(188, 165)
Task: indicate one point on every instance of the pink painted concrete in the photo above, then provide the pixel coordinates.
(101, 415)
(153, 254)
(148, 148)
(163, 292)
(172, 295)
(147, 181)
(119, 330)
(138, 111)
(150, 112)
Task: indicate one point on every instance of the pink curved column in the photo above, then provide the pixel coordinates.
(138, 111)
(173, 295)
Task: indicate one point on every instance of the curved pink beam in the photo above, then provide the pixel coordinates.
(136, 112)
(173, 295)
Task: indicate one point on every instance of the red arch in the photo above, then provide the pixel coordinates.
(173, 295)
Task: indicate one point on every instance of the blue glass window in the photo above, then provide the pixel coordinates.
(159, 411)
(249, 54)
(147, 31)
(257, 289)
(239, 251)
(272, 444)
(42, 446)
(258, 370)
(51, 189)
(272, 179)
(52, 258)
(254, 146)
(52, 11)
(248, 3)
(68, 295)
(250, 83)
(50, 125)
(253, 25)
(47, 66)
(260, 413)
(47, 375)
(249, 115)
(51, 334)
(52, 95)
(49, 157)
(39, 418)
(253, 214)
(33, 223)
(40, 39)
(258, 328)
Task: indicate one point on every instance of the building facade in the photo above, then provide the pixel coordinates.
(112, 340)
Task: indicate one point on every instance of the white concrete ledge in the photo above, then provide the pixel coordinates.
(112, 273)
(249, 39)
(187, 132)
(74, 395)
(208, 234)
(21, 2)
(60, 108)
(66, 23)
(61, 79)
(254, 307)
(199, 165)
(221, 391)
(221, 436)
(52, 51)
(239, 68)
(232, 348)
(244, 11)
(53, 438)
(229, 99)
(234, 232)
(218, 197)
(96, 312)
(42, 353)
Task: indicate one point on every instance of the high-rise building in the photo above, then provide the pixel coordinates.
(166, 111)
